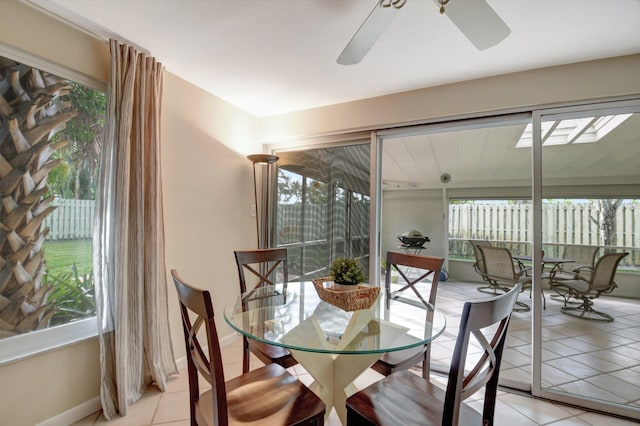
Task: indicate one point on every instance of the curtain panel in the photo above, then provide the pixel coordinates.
(129, 268)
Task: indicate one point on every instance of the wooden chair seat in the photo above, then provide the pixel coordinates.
(404, 398)
(268, 395)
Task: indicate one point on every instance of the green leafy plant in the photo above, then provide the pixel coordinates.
(347, 271)
(73, 296)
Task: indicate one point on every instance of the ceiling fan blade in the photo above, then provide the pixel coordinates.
(478, 22)
(366, 36)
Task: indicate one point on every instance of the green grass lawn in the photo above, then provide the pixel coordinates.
(61, 254)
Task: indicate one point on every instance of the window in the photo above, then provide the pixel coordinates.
(51, 132)
(323, 208)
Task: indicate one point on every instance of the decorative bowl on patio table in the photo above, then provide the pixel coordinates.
(362, 296)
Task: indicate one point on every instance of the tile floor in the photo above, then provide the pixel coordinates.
(577, 358)
(590, 358)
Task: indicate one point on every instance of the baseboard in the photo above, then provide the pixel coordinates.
(81, 411)
(74, 414)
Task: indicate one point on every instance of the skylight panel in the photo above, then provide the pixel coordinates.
(572, 131)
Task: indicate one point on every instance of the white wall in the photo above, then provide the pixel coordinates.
(406, 210)
(566, 83)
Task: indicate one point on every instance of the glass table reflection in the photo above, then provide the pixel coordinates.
(335, 346)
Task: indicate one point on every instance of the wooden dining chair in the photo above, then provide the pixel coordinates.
(265, 267)
(405, 398)
(268, 395)
(423, 267)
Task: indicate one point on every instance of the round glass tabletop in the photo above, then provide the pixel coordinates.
(296, 318)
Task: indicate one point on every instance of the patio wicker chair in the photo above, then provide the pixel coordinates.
(584, 258)
(492, 286)
(504, 272)
(586, 289)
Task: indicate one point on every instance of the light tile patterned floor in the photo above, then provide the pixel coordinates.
(585, 357)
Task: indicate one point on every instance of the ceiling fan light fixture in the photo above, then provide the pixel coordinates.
(442, 4)
(395, 3)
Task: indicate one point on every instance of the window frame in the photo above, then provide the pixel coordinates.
(23, 346)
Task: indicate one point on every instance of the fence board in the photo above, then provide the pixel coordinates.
(561, 224)
(71, 220)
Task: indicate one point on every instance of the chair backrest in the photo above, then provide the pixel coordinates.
(499, 264)
(580, 254)
(476, 244)
(425, 265)
(209, 363)
(267, 266)
(487, 320)
(605, 270)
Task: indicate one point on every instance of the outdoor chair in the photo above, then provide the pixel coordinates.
(263, 265)
(404, 398)
(268, 395)
(583, 257)
(586, 289)
(421, 267)
(479, 265)
(504, 272)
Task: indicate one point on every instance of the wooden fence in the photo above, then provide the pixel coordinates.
(561, 224)
(71, 220)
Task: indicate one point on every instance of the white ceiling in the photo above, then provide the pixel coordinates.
(274, 56)
(488, 157)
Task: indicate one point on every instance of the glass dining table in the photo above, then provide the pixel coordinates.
(335, 346)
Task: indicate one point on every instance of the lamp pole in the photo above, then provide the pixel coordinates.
(262, 208)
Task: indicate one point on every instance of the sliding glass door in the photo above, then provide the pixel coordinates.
(454, 183)
(561, 186)
(590, 210)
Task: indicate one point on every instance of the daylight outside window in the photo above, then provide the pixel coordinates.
(50, 138)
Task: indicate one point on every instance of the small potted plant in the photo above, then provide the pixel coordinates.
(346, 273)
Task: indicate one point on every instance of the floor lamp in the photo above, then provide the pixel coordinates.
(265, 161)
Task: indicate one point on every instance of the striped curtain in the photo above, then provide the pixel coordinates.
(128, 262)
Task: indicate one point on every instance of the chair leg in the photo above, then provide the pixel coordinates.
(521, 307)
(586, 311)
(246, 355)
(493, 289)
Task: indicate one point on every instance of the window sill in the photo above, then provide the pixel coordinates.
(16, 348)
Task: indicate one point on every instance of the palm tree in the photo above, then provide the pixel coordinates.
(32, 111)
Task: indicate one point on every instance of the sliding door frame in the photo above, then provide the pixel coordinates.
(601, 108)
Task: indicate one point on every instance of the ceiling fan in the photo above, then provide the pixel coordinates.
(474, 18)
